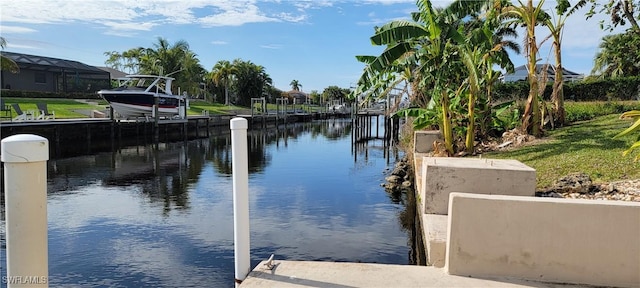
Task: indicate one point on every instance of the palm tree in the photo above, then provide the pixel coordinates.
(191, 72)
(251, 81)
(295, 85)
(222, 74)
(615, 59)
(6, 62)
(528, 16)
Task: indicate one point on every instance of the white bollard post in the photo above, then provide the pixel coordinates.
(240, 171)
(25, 174)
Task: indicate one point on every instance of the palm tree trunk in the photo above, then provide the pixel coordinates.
(226, 96)
(558, 93)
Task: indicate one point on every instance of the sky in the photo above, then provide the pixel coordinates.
(314, 42)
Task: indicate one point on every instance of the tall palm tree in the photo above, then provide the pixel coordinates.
(528, 15)
(222, 74)
(295, 85)
(6, 62)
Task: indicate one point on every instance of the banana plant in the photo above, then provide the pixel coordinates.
(563, 11)
(529, 15)
(635, 127)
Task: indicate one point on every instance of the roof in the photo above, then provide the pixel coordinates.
(296, 93)
(43, 63)
(115, 74)
(551, 69)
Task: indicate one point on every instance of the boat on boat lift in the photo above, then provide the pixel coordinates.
(137, 96)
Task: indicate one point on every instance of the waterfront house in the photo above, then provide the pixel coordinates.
(298, 96)
(46, 74)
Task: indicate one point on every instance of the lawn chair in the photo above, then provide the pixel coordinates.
(5, 109)
(22, 116)
(44, 112)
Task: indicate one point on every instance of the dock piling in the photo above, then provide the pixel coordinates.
(25, 158)
(240, 171)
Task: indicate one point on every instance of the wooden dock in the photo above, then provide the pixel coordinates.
(69, 137)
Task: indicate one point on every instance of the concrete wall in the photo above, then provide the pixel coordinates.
(423, 140)
(544, 239)
(443, 175)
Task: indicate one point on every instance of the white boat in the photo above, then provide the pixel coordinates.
(137, 95)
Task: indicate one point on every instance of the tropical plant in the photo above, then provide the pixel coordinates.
(635, 127)
(556, 32)
(615, 59)
(335, 93)
(295, 85)
(441, 54)
(163, 58)
(528, 16)
(6, 62)
(315, 97)
(250, 81)
(222, 74)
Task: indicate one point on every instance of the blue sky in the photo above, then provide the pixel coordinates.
(314, 42)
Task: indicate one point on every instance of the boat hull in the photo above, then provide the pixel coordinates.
(131, 105)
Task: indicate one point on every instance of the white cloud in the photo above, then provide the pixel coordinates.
(18, 46)
(271, 46)
(142, 15)
(20, 43)
(388, 2)
(236, 16)
(219, 42)
(290, 18)
(15, 29)
(130, 26)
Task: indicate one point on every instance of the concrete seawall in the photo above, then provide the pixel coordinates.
(484, 239)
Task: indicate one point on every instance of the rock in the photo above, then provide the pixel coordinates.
(393, 179)
(573, 183)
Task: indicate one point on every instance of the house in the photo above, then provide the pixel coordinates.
(46, 74)
(115, 74)
(520, 74)
(298, 96)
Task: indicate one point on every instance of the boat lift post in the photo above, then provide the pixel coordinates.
(240, 172)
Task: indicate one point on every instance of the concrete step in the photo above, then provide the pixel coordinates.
(342, 275)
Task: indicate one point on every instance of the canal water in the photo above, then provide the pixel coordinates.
(160, 215)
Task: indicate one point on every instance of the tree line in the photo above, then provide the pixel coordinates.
(229, 82)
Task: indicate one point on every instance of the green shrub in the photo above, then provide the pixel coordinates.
(619, 89)
(580, 111)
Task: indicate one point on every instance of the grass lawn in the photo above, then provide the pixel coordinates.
(66, 108)
(585, 146)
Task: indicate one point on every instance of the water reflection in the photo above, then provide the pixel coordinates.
(160, 215)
